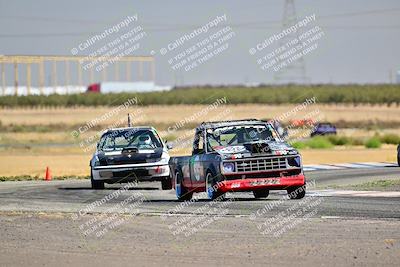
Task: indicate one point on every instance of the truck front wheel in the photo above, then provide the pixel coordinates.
(212, 187)
(261, 193)
(297, 192)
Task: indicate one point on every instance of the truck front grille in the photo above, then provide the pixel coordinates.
(264, 164)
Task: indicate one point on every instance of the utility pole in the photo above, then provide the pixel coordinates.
(16, 78)
(295, 72)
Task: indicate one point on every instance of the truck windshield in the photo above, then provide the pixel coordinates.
(237, 135)
(120, 139)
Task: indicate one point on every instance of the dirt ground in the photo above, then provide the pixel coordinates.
(55, 239)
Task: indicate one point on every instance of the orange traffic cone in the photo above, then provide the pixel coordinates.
(47, 176)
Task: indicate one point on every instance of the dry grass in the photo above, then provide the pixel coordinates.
(175, 113)
(345, 155)
(34, 137)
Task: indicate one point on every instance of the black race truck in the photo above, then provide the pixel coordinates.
(240, 155)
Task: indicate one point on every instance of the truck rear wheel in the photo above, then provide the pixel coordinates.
(182, 193)
(261, 193)
(212, 188)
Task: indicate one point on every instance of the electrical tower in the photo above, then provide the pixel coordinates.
(295, 72)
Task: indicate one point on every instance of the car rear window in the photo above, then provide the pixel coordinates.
(120, 139)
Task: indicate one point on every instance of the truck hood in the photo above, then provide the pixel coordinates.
(256, 149)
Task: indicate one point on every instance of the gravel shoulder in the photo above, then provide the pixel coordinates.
(49, 239)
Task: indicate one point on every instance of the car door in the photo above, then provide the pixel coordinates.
(197, 161)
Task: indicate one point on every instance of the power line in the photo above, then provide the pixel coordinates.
(255, 25)
(69, 34)
(347, 14)
(359, 13)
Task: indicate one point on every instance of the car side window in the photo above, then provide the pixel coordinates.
(198, 144)
(100, 144)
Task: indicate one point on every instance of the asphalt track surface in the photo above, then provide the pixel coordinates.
(52, 223)
(75, 195)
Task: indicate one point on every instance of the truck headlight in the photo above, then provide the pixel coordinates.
(294, 161)
(228, 167)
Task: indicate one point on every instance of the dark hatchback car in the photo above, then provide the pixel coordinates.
(323, 129)
(130, 154)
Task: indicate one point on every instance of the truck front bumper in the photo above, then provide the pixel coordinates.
(272, 183)
(113, 174)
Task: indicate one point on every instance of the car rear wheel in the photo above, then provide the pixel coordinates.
(166, 184)
(212, 188)
(398, 155)
(297, 192)
(261, 193)
(182, 193)
(96, 184)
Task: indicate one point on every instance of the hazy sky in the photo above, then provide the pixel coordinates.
(361, 43)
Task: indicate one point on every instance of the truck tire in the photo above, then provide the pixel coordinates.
(297, 192)
(261, 193)
(211, 188)
(166, 184)
(96, 184)
(180, 190)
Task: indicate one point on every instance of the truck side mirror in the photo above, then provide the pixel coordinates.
(169, 146)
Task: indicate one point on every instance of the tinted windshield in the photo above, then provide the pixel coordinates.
(120, 139)
(237, 135)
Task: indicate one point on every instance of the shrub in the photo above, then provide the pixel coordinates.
(339, 140)
(357, 142)
(299, 145)
(390, 139)
(319, 142)
(373, 142)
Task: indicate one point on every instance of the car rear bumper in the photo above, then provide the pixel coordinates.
(272, 183)
(142, 173)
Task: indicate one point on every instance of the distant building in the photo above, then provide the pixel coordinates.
(126, 87)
